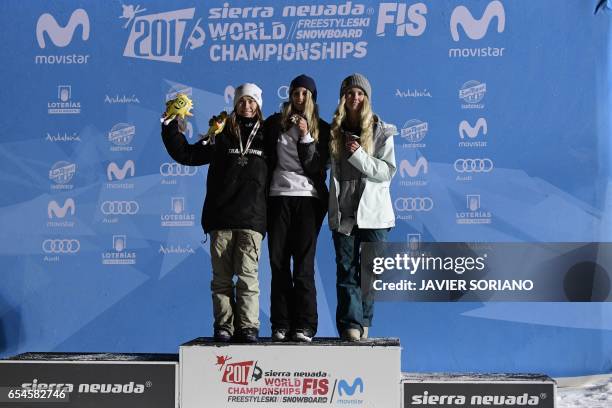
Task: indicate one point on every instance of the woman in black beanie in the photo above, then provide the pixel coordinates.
(297, 140)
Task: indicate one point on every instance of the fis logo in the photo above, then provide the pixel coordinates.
(54, 209)
(159, 37)
(349, 390)
(61, 36)
(465, 129)
(413, 171)
(113, 172)
(473, 28)
(408, 20)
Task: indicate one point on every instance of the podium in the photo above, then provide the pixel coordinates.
(326, 372)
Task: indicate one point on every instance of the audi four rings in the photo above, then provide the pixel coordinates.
(61, 246)
(413, 204)
(119, 207)
(473, 165)
(175, 169)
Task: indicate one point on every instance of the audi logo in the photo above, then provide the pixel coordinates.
(473, 165)
(61, 246)
(413, 204)
(119, 207)
(175, 169)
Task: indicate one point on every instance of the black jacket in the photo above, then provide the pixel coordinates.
(314, 156)
(236, 195)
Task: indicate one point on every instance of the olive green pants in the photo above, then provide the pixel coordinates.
(235, 252)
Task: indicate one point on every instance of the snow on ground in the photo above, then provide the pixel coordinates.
(588, 392)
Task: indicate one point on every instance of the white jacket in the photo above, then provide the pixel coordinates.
(375, 207)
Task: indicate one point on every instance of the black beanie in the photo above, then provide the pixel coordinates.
(304, 81)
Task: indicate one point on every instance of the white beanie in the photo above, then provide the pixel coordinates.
(251, 90)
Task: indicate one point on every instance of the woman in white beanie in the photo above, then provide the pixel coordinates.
(360, 209)
(234, 210)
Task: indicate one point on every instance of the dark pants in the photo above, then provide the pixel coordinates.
(293, 228)
(353, 310)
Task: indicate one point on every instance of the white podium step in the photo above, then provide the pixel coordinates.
(326, 372)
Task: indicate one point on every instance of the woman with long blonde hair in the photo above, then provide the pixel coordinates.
(297, 140)
(360, 209)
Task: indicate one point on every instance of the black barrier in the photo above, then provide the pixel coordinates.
(540, 272)
(89, 380)
(478, 391)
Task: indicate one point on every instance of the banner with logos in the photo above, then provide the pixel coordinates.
(502, 115)
(323, 374)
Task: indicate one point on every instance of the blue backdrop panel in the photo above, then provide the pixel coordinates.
(502, 108)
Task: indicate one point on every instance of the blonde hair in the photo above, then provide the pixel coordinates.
(366, 123)
(232, 121)
(311, 114)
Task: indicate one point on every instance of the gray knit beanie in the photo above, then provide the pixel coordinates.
(356, 80)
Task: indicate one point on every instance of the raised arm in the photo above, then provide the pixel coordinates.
(181, 151)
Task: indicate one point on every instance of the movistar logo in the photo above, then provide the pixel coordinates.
(465, 129)
(113, 172)
(61, 36)
(54, 209)
(345, 389)
(413, 171)
(476, 29)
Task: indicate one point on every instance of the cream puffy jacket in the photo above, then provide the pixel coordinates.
(375, 207)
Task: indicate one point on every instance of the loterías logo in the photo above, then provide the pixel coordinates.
(241, 373)
(61, 36)
(476, 29)
(159, 37)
